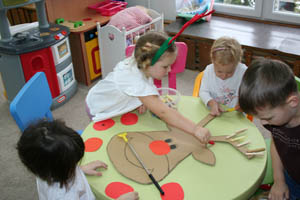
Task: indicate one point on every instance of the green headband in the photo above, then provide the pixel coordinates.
(161, 50)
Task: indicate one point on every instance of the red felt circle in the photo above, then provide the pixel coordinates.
(129, 119)
(159, 147)
(92, 144)
(173, 191)
(103, 125)
(116, 189)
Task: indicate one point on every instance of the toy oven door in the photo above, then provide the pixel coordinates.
(66, 78)
(61, 51)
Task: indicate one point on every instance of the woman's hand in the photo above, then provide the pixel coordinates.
(91, 168)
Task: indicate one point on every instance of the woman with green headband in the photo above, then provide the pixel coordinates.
(130, 86)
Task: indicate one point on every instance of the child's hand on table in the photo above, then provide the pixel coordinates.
(202, 134)
(129, 196)
(215, 108)
(91, 168)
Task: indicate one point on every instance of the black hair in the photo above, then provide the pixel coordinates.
(266, 82)
(51, 151)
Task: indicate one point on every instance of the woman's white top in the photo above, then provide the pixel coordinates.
(223, 91)
(118, 93)
(79, 190)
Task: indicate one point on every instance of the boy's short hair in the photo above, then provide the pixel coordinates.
(51, 151)
(266, 83)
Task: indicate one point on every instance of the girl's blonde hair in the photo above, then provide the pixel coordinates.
(147, 45)
(226, 50)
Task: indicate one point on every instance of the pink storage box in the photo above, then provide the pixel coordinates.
(108, 7)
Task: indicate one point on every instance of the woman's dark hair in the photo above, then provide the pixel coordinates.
(51, 151)
(266, 83)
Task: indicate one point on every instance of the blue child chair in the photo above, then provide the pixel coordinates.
(33, 102)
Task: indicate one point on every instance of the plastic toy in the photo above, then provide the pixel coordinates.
(33, 49)
(108, 7)
(203, 6)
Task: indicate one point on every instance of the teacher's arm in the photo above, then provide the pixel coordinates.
(174, 118)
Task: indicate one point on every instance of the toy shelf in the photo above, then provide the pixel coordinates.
(73, 12)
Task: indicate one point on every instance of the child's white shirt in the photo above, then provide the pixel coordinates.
(118, 93)
(79, 190)
(223, 91)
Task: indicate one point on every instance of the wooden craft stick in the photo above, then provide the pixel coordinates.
(256, 153)
(242, 144)
(206, 119)
(236, 133)
(242, 130)
(238, 138)
(230, 136)
(256, 150)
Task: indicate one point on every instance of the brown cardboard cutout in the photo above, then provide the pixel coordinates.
(160, 166)
(206, 120)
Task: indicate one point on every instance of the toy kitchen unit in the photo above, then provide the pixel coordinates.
(44, 47)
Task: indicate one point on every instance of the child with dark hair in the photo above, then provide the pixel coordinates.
(269, 92)
(51, 151)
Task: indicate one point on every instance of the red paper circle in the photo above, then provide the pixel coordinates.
(116, 189)
(92, 144)
(173, 191)
(103, 125)
(129, 119)
(159, 147)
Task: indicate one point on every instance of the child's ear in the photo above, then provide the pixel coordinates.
(293, 100)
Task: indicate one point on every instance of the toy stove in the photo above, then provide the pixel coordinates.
(29, 48)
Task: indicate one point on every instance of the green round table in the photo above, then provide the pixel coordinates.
(233, 176)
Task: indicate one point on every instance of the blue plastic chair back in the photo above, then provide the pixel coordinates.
(33, 102)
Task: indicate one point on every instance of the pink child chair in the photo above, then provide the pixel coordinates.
(177, 67)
